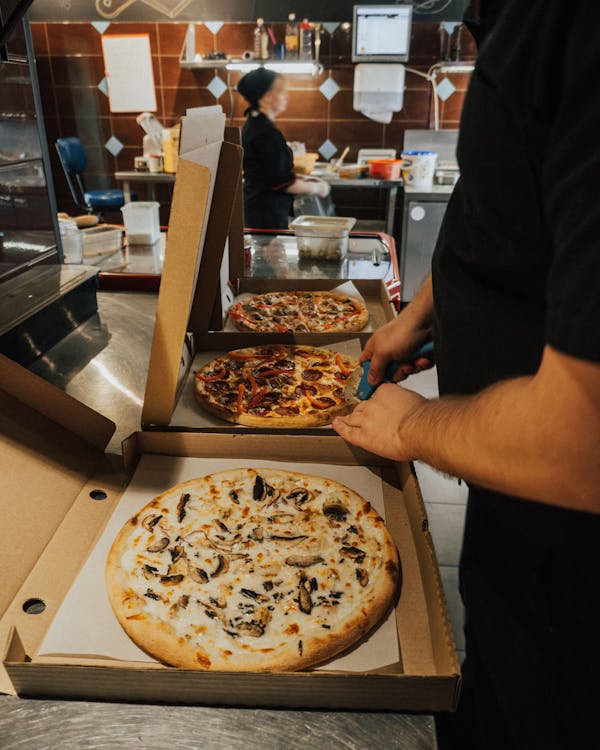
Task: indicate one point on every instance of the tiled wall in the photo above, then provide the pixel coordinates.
(70, 65)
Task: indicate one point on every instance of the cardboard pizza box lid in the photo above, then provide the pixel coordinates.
(204, 197)
(51, 444)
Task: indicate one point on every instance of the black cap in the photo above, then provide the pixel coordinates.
(254, 85)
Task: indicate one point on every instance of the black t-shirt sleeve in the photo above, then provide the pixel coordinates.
(570, 180)
(276, 160)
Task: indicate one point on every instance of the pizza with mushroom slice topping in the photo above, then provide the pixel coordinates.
(252, 569)
(301, 312)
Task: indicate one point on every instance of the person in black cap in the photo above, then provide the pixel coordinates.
(269, 179)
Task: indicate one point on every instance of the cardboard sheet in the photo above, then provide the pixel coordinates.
(85, 624)
(348, 288)
(189, 414)
(202, 132)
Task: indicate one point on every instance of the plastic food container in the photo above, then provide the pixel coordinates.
(70, 238)
(385, 169)
(305, 163)
(142, 225)
(322, 237)
(101, 240)
(353, 171)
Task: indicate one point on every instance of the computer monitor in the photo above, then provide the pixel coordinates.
(381, 33)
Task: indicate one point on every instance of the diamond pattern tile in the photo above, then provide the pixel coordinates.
(101, 26)
(445, 89)
(213, 26)
(329, 88)
(103, 86)
(449, 26)
(113, 145)
(217, 87)
(327, 149)
(331, 26)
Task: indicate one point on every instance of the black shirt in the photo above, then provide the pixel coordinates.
(268, 171)
(517, 266)
(518, 259)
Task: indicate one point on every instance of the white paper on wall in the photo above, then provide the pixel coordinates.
(128, 69)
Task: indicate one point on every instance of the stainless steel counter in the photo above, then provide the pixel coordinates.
(104, 363)
(74, 725)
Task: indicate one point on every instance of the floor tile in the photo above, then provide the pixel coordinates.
(446, 523)
(424, 383)
(449, 575)
(440, 488)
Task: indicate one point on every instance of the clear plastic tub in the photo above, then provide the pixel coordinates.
(70, 238)
(142, 224)
(101, 240)
(322, 237)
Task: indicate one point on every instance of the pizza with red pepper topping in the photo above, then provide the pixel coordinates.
(252, 569)
(303, 312)
(276, 386)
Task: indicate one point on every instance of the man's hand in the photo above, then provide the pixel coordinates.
(535, 436)
(399, 338)
(377, 424)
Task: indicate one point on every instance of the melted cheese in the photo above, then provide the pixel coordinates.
(205, 623)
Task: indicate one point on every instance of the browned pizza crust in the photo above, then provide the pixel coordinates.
(249, 420)
(292, 638)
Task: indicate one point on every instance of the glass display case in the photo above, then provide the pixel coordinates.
(26, 190)
(41, 299)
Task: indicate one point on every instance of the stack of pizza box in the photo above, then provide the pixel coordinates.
(61, 490)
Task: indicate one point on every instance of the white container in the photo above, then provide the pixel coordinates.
(418, 168)
(70, 238)
(322, 237)
(142, 225)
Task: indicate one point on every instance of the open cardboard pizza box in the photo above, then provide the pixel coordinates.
(60, 491)
(205, 243)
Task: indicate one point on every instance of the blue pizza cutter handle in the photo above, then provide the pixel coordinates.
(365, 390)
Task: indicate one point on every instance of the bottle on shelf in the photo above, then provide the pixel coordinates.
(261, 40)
(306, 40)
(291, 38)
(264, 44)
(190, 43)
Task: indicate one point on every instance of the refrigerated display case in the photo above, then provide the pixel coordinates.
(41, 300)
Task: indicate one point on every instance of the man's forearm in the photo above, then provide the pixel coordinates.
(510, 439)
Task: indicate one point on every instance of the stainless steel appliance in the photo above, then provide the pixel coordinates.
(423, 215)
(424, 209)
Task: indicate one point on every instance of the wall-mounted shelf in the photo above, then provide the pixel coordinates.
(301, 67)
(298, 67)
(201, 64)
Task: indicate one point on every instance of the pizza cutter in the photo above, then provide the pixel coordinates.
(365, 390)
